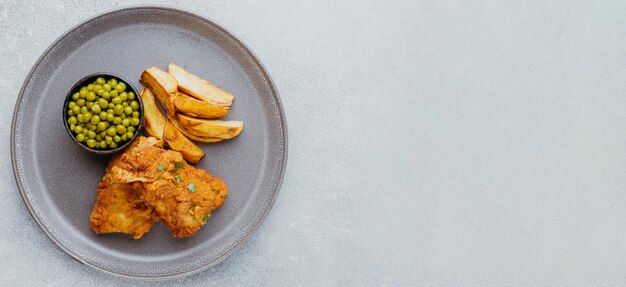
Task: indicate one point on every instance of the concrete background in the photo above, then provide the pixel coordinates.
(432, 143)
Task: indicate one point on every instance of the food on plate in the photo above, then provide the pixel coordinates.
(189, 102)
(154, 120)
(103, 114)
(179, 142)
(119, 207)
(160, 181)
(199, 88)
(162, 85)
(211, 129)
(191, 106)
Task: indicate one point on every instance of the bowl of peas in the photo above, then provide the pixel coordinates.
(103, 113)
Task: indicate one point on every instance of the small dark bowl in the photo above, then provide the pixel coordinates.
(76, 88)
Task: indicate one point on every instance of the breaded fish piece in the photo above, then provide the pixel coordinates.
(181, 195)
(119, 208)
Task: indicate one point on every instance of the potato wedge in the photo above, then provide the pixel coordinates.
(180, 143)
(199, 88)
(162, 85)
(154, 120)
(204, 128)
(191, 106)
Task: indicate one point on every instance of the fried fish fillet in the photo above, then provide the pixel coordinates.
(181, 195)
(119, 207)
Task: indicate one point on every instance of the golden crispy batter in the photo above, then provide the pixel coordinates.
(119, 207)
(181, 195)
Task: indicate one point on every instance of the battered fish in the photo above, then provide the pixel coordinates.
(181, 195)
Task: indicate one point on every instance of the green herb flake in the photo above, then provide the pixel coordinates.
(161, 167)
(178, 165)
(177, 179)
(205, 218)
(192, 187)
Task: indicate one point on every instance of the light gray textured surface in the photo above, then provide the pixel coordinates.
(431, 143)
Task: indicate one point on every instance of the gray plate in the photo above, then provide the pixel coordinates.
(58, 180)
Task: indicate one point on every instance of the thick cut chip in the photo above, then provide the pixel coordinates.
(162, 85)
(191, 106)
(213, 129)
(179, 142)
(199, 88)
(154, 120)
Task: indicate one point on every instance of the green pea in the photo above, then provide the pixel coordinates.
(100, 92)
(135, 115)
(131, 129)
(91, 143)
(111, 106)
(113, 93)
(103, 115)
(72, 121)
(124, 138)
(80, 137)
(89, 105)
(123, 86)
(123, 116)
(118, 109)
(79, 118)
(117, 139)
(82, 93)
(91, 134)
(96, 109)
(71, 104)
(117, 100)
(70, 113)
(97, 87)
(103, 144)
(85, 132)
(113, 145)
(119, 88)
(134, 105)
(110, 117)
(125, 122)
(78, 129)
(108, 139)
(125, 104)
(103, 103)
(121, 129)
(106, 87)
(91, 127)
(101, 126)
(76, 110)
(89, 87)
(100, 81)
(81, 102)
(90, 96)
(95, 120)
(128, 110)
(103, 134)
(129, 135)
(83, 109)
(87, 116)
(131, 95)
(124, 93)
(98, 138)
(124, 97)
(75, 96)
(117, 120)
(134, 122)
(105, 95)
(111, 131)
(112, 82)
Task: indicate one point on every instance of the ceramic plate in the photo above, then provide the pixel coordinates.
(58, 180)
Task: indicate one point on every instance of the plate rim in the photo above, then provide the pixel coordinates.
(238, 42)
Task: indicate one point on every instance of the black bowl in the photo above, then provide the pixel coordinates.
(90, 79)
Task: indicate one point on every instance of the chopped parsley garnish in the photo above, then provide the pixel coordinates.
(178, 165)
(192, 187)
(161, 167)
(177, 179)
(206, 217)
